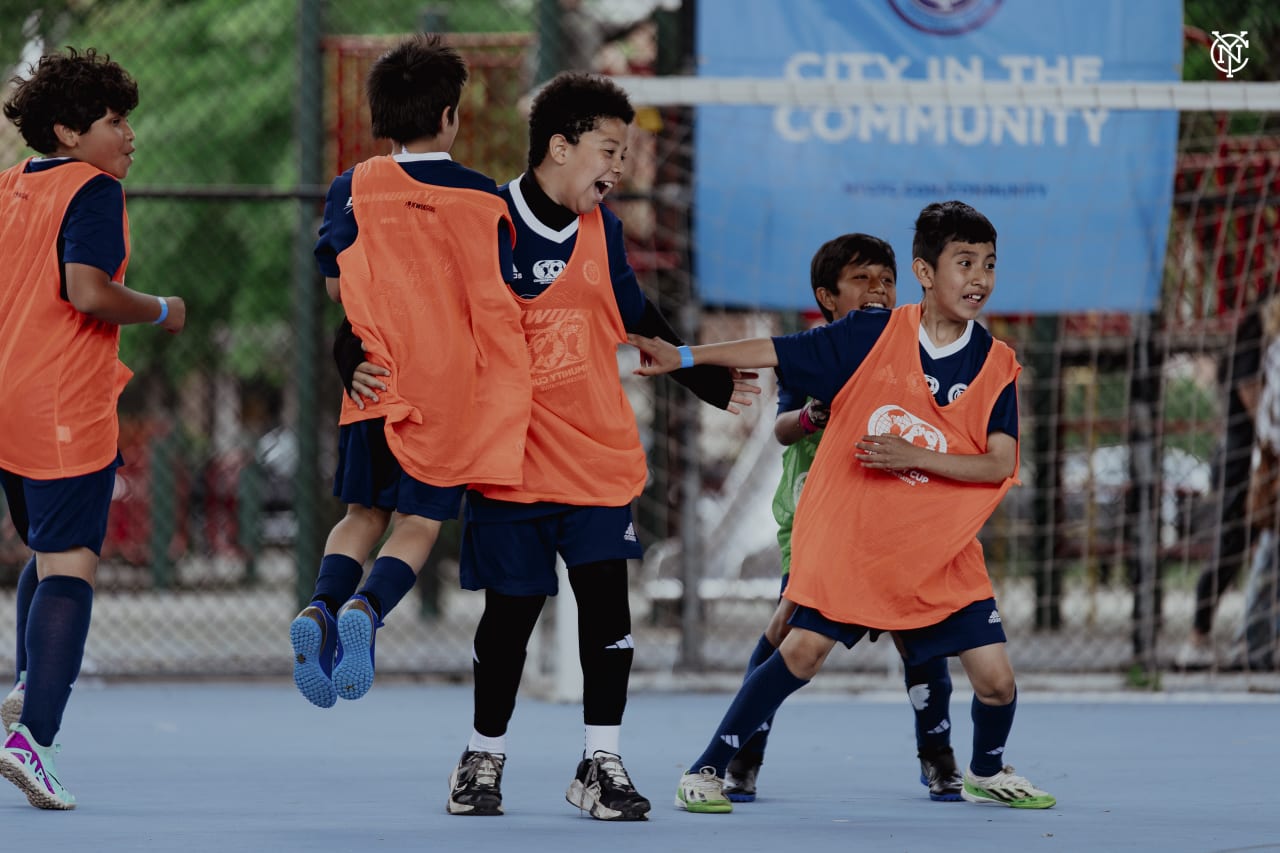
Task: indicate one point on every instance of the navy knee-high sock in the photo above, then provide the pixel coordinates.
(57, 627)
(390, 580)
(27, 582)
(761, 694)
(337, 581)
(753, 750)
(991, 726)
(929, 689)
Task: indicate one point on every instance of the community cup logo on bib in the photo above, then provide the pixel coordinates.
(895, 420)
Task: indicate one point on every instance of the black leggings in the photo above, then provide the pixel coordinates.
(605, 649)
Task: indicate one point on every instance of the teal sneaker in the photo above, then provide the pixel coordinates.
(1005, 789)
(29, 765)
(11, 707)
(358, 623)
(314, 637)
(703, 793)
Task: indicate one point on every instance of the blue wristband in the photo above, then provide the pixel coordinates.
(164, 311)
(686, 356)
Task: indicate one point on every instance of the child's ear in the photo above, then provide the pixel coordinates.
(67, 137)
(923, 272)
(558, 149)
(826, 299)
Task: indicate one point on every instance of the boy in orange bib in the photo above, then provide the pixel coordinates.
(920, 447)
(64, 236)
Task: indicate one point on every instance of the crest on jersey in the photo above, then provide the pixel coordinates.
(545, 272)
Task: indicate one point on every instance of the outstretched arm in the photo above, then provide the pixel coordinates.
(659, 356)
(720, 386)
(894, 453)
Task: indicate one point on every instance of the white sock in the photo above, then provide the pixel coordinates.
(484, 743)
(602, 739)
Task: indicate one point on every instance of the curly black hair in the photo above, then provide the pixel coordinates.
(73, 89)
(573, 104)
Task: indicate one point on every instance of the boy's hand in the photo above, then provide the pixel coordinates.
(745, 388)
(657, 356)
(177, 318)
(818, 412)
(365, 383)
(888, 452)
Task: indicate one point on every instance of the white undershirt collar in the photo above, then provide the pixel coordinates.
(403, 156)
(535, 224)
(936, 352)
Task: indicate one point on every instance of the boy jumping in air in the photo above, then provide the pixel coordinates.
(416, 248)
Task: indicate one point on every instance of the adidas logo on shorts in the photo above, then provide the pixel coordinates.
(630, 535)
(994, 618)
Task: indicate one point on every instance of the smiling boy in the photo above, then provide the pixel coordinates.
(584, 462)
(920, 448)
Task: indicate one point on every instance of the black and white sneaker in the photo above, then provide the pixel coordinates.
(475, 786)
(939, 773)
(740, 780)
(602, 788)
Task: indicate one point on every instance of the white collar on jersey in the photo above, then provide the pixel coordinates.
(403, 156)
(935, 352)
(534, 223)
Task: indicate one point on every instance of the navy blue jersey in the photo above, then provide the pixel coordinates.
(541, 253)
(339, 228)
(819, 362)
(788, 400)
(92, 233)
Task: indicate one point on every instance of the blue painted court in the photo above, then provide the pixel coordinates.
(192, 767)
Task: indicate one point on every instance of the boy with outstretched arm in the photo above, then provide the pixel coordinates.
(920, 448)
(583, 465)
(852, 272)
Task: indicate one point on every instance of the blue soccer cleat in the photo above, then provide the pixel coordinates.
(314, 636)
(358, 624)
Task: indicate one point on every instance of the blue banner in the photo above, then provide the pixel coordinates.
(1080, 198)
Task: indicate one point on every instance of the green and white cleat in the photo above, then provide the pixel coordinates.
(703, 793)
(1005, 789)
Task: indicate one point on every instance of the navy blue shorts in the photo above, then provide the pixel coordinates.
(970, 627)
(518, 557)
(974, 625)
(53, 516)
(370, 475)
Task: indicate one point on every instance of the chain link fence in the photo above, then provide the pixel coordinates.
(228, 431)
